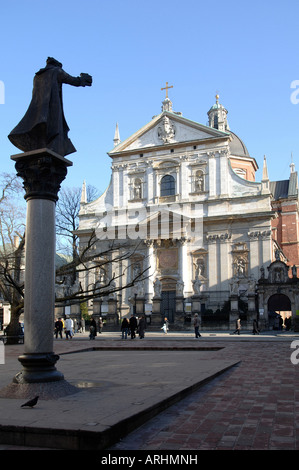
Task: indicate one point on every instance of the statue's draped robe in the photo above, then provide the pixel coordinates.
(44, 124)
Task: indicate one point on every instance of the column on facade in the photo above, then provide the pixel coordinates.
(115, 178)
(185, 267)
(150, 262)
(212, 261)
(125, 187)
(126, 293)
(150, 188)
(225, 266)
(254, 254)
(265, 238)
(184, 179)
(223, 172)
(120, 187)
(212, 174)
(155, 185)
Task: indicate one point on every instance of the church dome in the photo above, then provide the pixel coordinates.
(237, 146)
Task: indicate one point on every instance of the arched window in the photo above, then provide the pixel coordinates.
(167, 186)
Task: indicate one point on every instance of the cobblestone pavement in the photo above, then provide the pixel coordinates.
(255, 406)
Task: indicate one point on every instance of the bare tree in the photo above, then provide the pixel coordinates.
(89, 259)
(12, 228)
(67, 218)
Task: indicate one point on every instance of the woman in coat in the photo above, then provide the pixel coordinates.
(124, 328)
(141, 327)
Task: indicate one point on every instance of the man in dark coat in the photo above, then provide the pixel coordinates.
(141, 327)
(44, 124)
(133, 326)
(58, 328)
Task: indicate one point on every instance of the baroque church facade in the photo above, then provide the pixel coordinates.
(183, 196)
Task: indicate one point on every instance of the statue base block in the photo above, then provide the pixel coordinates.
(44, 390)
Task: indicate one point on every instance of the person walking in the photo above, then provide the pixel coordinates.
(124, 328)
(165, 327)
(196, 324)
(58, 328)
(255, 329)
(238, 327)
(83, 325)
(133, 326)
(100, 324)
(141, 327)
(92, 329)
(68, 324)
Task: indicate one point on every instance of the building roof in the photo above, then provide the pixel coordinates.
(237, 146)
(285, 188)
(279, 189)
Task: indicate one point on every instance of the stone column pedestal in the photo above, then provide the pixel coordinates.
(140, 301)
(179, 312)
(156, 312)
(196, 304)
(251, 314)
(96, 307)
(42, 172)
(112, 317)
(234, 312)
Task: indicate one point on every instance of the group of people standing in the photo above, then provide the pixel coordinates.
(95, 328)
(66, 325)
(70, 327)
(133, 326)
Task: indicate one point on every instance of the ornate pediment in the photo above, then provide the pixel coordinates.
(167, 128)
(278, 272)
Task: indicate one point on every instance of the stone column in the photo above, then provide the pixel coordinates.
(42, 172)
(234, 311)
(212, 174)
(156, 311)
(184, 266)
(96, 307)
(151, 265)
(112, 317)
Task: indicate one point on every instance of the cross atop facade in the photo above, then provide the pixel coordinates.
(167, 88)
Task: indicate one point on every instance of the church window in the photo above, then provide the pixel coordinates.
(167, 186)
(215, 122)
(240, 172)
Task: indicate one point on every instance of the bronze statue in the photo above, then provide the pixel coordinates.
(44, 124)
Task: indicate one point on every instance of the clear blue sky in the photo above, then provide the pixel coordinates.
(248, 53)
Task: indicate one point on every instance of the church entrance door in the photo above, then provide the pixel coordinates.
(279, 308)
(279, 302)
(168, 304)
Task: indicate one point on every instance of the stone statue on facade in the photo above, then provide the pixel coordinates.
(44, 124)
(234, 287)
(196, 286)
(166, 132)
(180, 288)
(157, 288)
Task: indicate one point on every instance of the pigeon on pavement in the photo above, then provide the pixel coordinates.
(30, 403)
